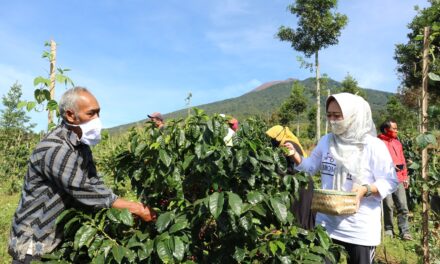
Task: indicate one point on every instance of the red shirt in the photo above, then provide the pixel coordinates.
(396, 150)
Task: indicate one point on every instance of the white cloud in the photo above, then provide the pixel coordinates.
(239, 41)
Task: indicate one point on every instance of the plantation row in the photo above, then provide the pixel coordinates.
(216, 204)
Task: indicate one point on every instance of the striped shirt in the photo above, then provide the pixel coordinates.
(61, 174)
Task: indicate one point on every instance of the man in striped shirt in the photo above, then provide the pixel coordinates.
(62, 174)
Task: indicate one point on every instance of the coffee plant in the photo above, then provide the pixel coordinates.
(215, 204)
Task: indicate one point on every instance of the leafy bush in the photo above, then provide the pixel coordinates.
(216, 204)
(15, 148)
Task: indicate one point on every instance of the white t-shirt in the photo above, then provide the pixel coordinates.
(228, 138)
(363, 227)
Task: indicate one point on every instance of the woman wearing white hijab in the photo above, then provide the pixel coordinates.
(352, 158)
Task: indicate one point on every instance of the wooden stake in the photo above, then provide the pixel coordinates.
(53, 54)
(425, 193)
(318, 100)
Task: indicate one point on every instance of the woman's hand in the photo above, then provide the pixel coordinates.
(360, 191)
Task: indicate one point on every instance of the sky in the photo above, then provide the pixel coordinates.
(139, 56)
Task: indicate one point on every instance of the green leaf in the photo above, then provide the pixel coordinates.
(285, 259)
(179, 249)
(187, 161)
(273, 247)
(423, 140)
(62, 215)
(246, 222)
(164, 157)
(434, 77)
(279, 208)
(182, 224)
(40, 80)
(164, 252)
(145, 251)
(163, 221)
(239, 254)
(84, 236)
(126, 217)
(30, 105)
(324, 239)
(281, 245)
(198, 151)
(95, 246)
(235, 203)
(254, 197)
(216, 201)
(100, 259)
(70, 223)
(21, 104)
(113, 215)
(118, 253)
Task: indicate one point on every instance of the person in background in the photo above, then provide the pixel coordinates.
(352, 158)
(388, 135)
(62, 174)
(302, 205)
(158, 119)
(232, 129)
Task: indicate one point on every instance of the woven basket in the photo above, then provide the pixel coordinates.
(334, 202)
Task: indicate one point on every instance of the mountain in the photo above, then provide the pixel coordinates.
(265, 100)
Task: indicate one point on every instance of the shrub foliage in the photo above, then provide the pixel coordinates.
(216, 204)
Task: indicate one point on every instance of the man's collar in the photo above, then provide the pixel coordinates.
(71, 136)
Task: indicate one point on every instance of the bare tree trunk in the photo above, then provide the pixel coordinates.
(318, 100)
(326, 122)
(425, 193)
(52, 59)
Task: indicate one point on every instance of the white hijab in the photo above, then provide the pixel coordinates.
(347, 148)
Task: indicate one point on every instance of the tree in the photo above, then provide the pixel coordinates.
(295, 105)
(404, 117)
(350, 85)
(16, 139)
(318, 28)
(13, 117)
(409, 56)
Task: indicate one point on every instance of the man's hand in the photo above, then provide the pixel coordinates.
(406, 184)
(144, 212)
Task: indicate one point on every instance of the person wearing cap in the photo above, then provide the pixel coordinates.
(61, 175)
(157, 118)
(303, 204)
(352, 159)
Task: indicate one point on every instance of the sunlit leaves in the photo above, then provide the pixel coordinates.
(216, 201)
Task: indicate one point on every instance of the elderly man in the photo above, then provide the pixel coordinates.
(61, 174)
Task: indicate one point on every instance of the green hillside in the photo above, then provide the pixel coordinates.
(264, 102)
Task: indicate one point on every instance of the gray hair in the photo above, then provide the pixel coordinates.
(68, 100)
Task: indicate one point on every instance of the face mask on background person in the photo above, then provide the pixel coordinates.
(91, 132)
(391, 133)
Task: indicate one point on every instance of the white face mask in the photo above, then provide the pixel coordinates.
(91, 132)
(338, 126)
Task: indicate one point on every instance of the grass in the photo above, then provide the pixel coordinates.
(8, 204)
